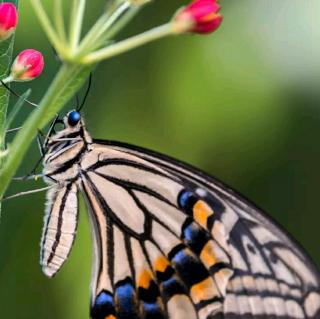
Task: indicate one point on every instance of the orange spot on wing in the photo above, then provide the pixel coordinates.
(201, 212)
(204, 290)
(145, 279)
(110, 317)
(161, 264)
(207, 254)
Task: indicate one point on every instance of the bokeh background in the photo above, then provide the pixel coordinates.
(242, 104)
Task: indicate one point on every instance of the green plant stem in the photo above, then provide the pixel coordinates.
(121, 23)
(77, 13)
(68, 80)
(59, 20)
(129, 44)
(105, 22)
(48, 28)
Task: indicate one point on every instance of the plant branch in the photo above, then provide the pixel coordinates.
(105, 22)
(77, 13)
(59, 20)
(48, 28)
(129, 44)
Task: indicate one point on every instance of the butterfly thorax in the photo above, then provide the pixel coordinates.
(65, 151)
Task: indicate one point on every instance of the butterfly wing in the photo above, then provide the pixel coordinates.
(171, 242)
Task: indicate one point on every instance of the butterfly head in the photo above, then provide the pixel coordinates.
(73, 130)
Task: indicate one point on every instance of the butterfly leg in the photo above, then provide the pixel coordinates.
(26, 193)
(12, 130)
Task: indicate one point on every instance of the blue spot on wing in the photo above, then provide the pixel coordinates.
(186, 201)
(126, 300)
(194, 236)
(152, 311)
(189, 268)
(104, 306)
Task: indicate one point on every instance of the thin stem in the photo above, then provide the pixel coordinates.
(121, 23)
(77, 14)
(47, 27)
(129, 44)
(33, 191)
(105, 22)
(12, 130)
(59, 20)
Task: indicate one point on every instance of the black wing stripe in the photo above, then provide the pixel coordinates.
(134, 186)
(60, 221)
(125, 162)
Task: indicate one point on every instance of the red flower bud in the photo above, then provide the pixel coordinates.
(27, 65)
(200, 16)
(8, 20)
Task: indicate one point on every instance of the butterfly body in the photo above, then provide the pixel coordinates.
(169, 241)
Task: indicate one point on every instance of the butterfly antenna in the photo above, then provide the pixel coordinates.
(86, 94)
(78, 102)
(17, 95)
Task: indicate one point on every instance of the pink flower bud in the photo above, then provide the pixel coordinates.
(200, 16)
(8, 20)
(27, 65)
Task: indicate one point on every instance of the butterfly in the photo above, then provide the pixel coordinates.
(169, 240)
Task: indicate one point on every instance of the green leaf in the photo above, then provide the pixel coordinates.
(15, 110)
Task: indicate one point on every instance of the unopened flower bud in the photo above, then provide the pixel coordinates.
(27, 65)
(8, 20)
(200, 16)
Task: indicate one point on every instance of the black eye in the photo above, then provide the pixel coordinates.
(74, 118)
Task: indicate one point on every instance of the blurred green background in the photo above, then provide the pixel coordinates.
(242, 104)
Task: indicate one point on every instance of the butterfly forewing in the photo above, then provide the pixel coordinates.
(171, 242)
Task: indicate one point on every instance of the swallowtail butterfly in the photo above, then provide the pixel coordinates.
(169, 240)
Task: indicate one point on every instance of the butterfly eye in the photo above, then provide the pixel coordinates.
(74, 118)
